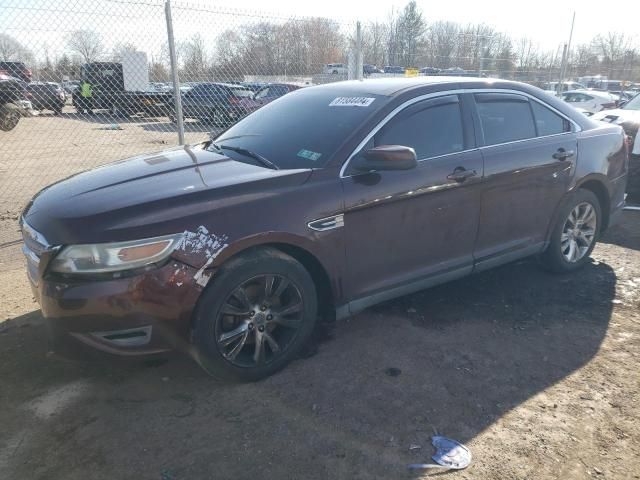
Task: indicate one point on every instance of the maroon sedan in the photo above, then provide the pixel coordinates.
(322, 203)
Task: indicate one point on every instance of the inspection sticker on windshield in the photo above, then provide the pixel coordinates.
(309, 154)
(352, 102)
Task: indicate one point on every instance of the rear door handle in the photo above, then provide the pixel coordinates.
(460, 174)
(563, 154)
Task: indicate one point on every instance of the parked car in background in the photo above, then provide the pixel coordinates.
(628, 117)
(240, 243)
(368, 69)
(430, 70)
(335, 68)
(253, 86)
(46, 96)
(591, 100)
(566, 86)
(70, 86)
(13, 104)
(266, 95)
(394, 69)
(584, 112)
(16, 69)
(623, 95)
(159, 87)
(217, 103)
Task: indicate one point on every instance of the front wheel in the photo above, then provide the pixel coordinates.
(575, 234)
(255, 317)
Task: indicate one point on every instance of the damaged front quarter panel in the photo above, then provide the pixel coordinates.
(199, 249)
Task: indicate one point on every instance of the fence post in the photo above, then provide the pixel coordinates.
(359, 59)
(177, 98)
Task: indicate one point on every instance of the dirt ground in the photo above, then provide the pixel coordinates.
(537, 374)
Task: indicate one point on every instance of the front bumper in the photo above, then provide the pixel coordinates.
(148, 313)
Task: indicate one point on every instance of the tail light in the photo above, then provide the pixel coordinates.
(28, 73)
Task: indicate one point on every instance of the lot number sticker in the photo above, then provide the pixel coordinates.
(352, 102)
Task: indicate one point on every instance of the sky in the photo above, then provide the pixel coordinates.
(546, 21)
(43, 25)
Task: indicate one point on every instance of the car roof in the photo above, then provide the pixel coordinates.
(393, 86)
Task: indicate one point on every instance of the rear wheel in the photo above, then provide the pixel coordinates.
(575, 233)
(256, 316)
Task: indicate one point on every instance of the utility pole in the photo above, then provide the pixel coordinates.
(359, 59)
(565, 55)
(177, 98)
(481, 64)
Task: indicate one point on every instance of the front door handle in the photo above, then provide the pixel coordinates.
(563, 154)
(460, 174)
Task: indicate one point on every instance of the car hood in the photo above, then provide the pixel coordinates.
(149, 195)
(618, 116)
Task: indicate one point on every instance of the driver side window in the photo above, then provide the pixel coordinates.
(432, 128)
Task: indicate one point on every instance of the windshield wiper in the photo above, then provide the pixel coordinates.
(248, 153)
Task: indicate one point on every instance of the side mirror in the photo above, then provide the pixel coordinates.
(386, 157)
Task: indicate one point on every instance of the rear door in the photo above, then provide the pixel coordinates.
(529, 152)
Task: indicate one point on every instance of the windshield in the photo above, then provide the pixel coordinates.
(303, 129)
(633, 104)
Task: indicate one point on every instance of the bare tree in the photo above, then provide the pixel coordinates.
(611, 46)
(194, 58)
(87, 44)
(12, 50)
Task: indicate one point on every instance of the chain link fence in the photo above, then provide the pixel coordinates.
(102, 80)
(108, 79)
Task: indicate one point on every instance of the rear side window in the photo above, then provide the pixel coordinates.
(547, 121)
(504, 117)
(431, 129)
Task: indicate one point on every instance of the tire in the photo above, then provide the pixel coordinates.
(9, 116)
(557, 255)
(288, 319)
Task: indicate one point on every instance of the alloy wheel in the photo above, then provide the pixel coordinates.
(579, 232)
(259, 320)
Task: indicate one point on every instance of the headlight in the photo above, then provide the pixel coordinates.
(114, 257)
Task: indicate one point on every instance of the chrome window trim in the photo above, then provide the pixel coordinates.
(408, 103)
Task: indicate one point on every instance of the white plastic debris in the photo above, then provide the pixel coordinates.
(450, 454)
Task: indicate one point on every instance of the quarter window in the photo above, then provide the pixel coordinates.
(430, 130)
(547, 121)
(504, 117)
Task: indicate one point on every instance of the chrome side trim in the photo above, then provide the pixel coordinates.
(328, 223)
(420, 98)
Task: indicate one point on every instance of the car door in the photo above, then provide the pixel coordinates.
(192, 101)
(529, 151)
(404, 229)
